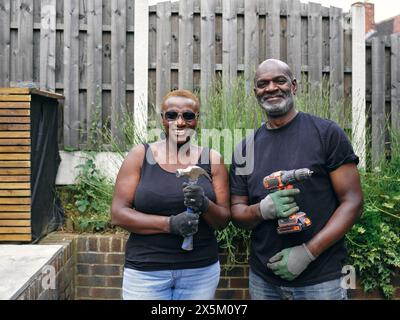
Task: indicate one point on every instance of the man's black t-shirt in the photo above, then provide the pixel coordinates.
(306, 142)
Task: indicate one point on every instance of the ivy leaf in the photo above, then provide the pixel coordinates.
(388, 205)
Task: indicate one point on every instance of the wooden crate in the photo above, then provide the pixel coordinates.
(15, 161)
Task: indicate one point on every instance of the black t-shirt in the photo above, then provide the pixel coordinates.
(160, 192)
(306, 142)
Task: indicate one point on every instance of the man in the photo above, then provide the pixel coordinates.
(307, 264)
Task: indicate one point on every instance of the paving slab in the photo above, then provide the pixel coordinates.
(20, 265)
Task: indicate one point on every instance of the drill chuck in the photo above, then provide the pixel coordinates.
(297, 175)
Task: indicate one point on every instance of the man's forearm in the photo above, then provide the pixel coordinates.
(338, 225)
(246, 217)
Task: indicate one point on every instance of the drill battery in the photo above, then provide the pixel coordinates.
(295, 223)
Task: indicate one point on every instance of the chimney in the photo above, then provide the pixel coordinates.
(369, 16)
(396, 24)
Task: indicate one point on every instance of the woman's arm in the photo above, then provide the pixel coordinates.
(122, 214)
(218, 214)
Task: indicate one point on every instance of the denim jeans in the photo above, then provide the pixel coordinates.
(181, 284)
(262, 290)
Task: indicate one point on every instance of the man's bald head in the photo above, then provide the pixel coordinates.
(274, 64)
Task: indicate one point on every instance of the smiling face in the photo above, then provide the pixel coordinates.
(275, 87)
(179, 118)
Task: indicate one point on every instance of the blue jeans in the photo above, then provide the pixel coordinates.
(181, 284)
(262, 290)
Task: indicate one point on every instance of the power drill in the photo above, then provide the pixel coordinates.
(281, 180)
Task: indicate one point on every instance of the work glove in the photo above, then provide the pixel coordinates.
(195, 198)
(184, 224)
(291, 262)
(279, 204)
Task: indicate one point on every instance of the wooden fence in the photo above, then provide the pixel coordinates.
(84, 50)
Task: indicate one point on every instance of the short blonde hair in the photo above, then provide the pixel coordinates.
(181, 93)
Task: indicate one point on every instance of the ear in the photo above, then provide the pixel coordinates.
(294, 86)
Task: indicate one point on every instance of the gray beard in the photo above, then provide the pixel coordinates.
(277, 109)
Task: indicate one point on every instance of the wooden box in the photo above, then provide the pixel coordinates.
(16, 147)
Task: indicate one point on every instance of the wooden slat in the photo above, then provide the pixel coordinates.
(8, 230)
(378, 101)
(15, 178)
(15, 149)
(13, 112)
(208, 50)
(15, 223)
(118, 64)
(48, 45)
(15, 237)
(251, 42)
(315, 45)
(15, 200)
(229, 43)
(12, 186)
(25, 42)
(294, 38)
(15, 215)
(15, 105)
(14, 171)
(14, 127)
(15, 119)
(16, 193)
(14, 91)
(163, 72)
(14, 134)
(273, 29)
(186, 44)
(15, 156)
(336, 56)
(5, 38)
(15, 164)
(14, 97)
(395, 79)
(14, 208)
(16, 142)
(71, 73)
(94, 61)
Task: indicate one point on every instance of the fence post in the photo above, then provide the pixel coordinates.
(141, 67)
(358, 81)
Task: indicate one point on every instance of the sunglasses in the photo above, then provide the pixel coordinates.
(187, 115)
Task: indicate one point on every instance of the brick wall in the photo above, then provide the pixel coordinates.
(99, 266)
(64, 266)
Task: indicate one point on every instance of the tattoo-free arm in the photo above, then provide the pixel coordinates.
(243, 215)
(347, 186)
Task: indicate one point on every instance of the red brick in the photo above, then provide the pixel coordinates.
(116, 245)
(104, 244)
(115, 258)
(92, 244)
(106, 293)
(82, 292)
(91, 281)
(83, 269)
(91, 257)
(239, 283)
(223, 283)
(233, 271)
(82, 244)
(360, 294)
(106, 270)
(114, 282)
(229, 294)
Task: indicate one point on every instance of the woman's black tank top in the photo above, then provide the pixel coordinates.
(160, 192)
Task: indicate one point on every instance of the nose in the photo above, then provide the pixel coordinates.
(271, 86)
(180, 121)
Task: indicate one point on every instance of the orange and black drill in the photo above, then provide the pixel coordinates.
(282, 180)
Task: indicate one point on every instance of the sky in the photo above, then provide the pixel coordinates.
(384, 9)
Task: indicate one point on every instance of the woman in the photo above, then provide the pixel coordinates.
(149, 201)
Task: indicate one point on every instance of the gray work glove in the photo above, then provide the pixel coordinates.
(184, 224)
(279, 204)
(291, 262)
(195, 198)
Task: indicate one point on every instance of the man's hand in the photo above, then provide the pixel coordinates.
(291, 262)
(280, 204)
(195, 198)
(184, 224)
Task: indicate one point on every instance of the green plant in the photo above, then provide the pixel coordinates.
(92, 193)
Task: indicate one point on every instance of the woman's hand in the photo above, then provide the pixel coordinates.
(195, 198)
